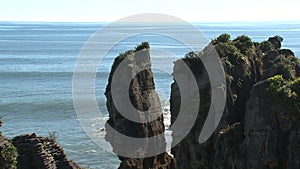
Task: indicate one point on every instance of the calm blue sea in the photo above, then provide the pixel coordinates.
(36, 67)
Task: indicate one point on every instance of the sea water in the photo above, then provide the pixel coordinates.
(37, 61)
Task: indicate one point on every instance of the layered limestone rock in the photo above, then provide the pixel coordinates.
(270, 137)
(261, 132)
(41, 153)
(271, 132)
(188, 154)
(32, 152)
(131, 79)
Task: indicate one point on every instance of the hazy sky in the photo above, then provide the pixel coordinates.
(110, 10)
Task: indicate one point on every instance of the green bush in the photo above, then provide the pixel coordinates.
(235, 63)
(296, 86)
(10, 154)
(276, 41)
(224, 38)
(280, 65)
(286, 92)
(243, 43)
(143, 45)
(266, 46)
(278, 86)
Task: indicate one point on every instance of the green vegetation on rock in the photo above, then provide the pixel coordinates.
(233, 55)
(266, 46)
(143, 45)
(286, 92)
(122, 56)
(243, 43)
(9, 155)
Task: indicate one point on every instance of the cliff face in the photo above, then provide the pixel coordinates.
(269, 137)
(135, 68)
(271, 133)
(187, 153)
(257, 130)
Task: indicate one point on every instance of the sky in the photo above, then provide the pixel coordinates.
(111, 10)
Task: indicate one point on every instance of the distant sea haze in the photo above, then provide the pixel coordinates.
(36, 67)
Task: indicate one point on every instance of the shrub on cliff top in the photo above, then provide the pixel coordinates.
(224, 38)
(276, 41)
(273, 43)
(193, 56)
(243, 43)
(276, 64)
(143, 45)
(266, 46)
(235, 62)
(286, 92)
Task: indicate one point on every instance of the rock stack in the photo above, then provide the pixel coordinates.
(134, 82)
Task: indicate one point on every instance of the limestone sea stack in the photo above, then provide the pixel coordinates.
(135, 112)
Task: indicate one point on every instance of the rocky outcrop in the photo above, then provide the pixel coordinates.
(270, 132)
(269, 138)
(8, 153)
(41, 153)
(257, 130)
(132, 78)
(32, 152)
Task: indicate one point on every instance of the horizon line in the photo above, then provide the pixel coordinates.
(107, 22)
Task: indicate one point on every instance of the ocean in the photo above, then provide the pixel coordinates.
(37, 61)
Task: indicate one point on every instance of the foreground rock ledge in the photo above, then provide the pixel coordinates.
(41, 153)
(32, 152)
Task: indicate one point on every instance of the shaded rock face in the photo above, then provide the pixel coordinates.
(7, 159)
(8, 153)
(137, 68)
(276, 41)
(41, 153)
(269, 132)
(188, 154)
(256, 132)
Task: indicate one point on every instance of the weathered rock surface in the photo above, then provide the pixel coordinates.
(41, 153)
(8, 153)
(32, 152)
(269, 132)
(261, 132)
(136, 70)
(189, 154)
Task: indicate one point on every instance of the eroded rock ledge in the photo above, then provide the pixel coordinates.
(41, 153)
(33, 152)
